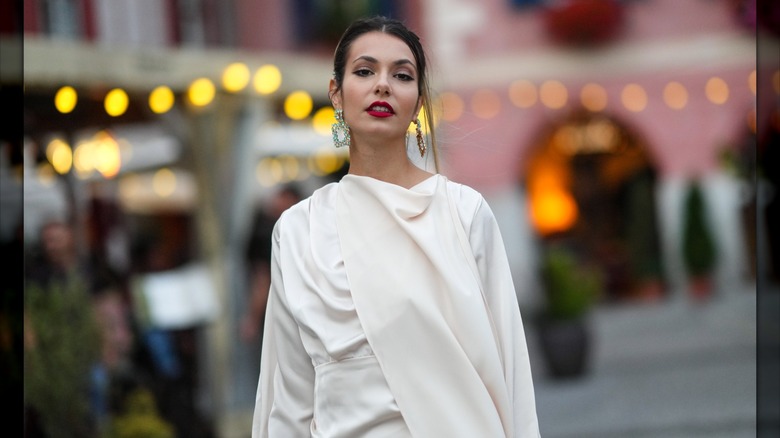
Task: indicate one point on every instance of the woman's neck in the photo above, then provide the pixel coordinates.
(386, 163)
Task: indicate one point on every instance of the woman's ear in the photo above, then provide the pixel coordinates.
(335, 98)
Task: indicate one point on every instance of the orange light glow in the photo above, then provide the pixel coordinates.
(552, 210)
(486, 104)
(452, 106)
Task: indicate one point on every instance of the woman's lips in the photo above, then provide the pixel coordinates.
(380, 109)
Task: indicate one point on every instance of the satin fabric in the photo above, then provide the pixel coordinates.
(407, 325)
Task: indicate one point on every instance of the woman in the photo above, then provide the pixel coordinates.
(392, 311)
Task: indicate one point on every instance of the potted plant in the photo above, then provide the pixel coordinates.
(571, 289)
(698, 244)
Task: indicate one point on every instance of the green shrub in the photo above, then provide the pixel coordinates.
(571, 287)
(64, 345)
(140, 419)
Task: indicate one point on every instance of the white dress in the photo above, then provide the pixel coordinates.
(392, 313)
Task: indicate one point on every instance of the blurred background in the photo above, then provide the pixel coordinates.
(627, 148)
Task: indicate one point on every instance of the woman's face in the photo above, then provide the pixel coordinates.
(379, 93)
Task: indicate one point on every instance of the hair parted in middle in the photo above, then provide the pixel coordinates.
(398, 29)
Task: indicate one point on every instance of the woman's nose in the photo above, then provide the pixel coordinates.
(382, 86)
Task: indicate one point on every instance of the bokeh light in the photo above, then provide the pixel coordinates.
(553, 94)
(60, 155)
(267, 79)
(634, 97)
(290, 167)
(107, 159)
(83, 156)
(201, 92)
(161, 99)
(235, 77)
(452, 106)
(323, 119)
(325, 161)
(164, 182)
(65, 99)
(593, 97)
(298, 105)
(553, 210)
(269, 171)
(523, 94)
(485, 104)
(717, 90)
(675, 95)
(116, 102)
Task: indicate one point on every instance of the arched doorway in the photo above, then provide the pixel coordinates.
(591, 187)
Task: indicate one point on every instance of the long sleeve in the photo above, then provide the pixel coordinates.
(284, 404)
(493, 266)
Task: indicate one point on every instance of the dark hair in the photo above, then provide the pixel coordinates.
(398, 29)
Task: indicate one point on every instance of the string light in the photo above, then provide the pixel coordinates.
(553, 94)
(116, 102)
(267, 79)
(634, 97)
(65, 99)
(235, 77)
(717, 90)
(675, 95)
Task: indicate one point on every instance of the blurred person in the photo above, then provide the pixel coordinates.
(167, 355)
(113, 376)
(392, 310)
(57, 260)
(259, 259)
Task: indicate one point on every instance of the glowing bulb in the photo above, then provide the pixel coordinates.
(634, 97)
(65, 100)
(161, 99)
(201, 92)
(553, 94)
(485, 104)
(675, 95)
(235, 77)
(116, 102)
(60, 155)
(267, 79)
(717, 90)
(298, 105)
(452, 106)
(323, 119)
(523, 93)
(593, 97)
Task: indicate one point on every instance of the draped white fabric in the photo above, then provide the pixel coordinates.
(392, 313)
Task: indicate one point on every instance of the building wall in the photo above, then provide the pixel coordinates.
(482, 48)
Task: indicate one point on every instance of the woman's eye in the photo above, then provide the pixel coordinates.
(404, 77)
(363, 72)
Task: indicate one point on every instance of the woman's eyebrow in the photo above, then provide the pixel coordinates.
(373, 60)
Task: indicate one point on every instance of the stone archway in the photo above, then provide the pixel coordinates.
(591, 186)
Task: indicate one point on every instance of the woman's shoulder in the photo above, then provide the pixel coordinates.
(464, 195)
(471, 205)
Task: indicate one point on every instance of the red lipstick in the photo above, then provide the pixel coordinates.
(380, 109)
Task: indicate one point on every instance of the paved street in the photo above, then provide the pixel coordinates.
(671, 370)
(666, 370)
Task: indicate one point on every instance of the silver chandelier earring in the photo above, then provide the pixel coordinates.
(420, 139)
(340, 131)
